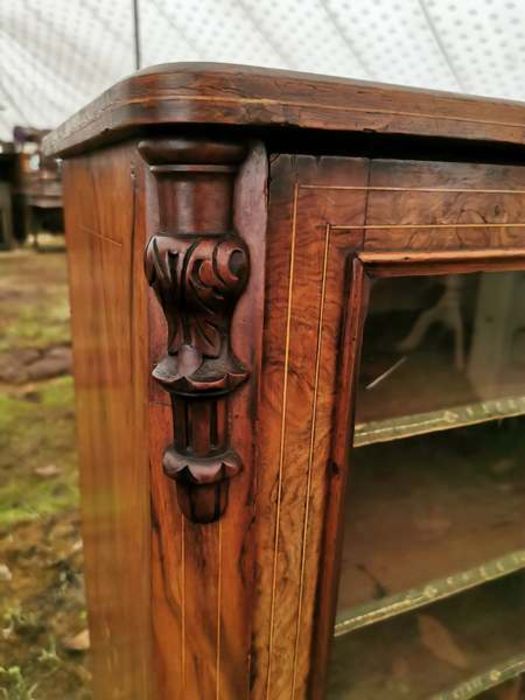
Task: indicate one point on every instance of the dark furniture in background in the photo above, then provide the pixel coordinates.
(8, 159)
(37, 187)
(267, 268)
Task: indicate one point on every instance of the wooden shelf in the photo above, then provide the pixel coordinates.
(397, 428)
(488, 679)
(390, 606)
(446, 508)
(460, 645)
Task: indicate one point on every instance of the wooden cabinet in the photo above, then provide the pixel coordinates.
(299, 342)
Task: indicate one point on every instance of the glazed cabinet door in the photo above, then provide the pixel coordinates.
(394, 349)
(431, 583)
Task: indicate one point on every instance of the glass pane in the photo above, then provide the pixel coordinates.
(474, 638)
(425, 508)
(434, 524)
(441, 351)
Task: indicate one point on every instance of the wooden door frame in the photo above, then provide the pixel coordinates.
(362, 267)
(334, 222)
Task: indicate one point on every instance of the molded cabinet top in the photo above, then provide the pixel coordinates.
(223, 94)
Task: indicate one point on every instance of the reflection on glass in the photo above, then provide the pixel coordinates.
(471, 640)
(432, 507)
(441, 351)
(433, 565)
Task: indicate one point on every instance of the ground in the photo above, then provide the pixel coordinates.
(43, 635)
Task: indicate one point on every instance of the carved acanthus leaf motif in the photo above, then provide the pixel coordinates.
(198, 267)
(198, 281)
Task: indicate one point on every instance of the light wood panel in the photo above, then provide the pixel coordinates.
(105, 237)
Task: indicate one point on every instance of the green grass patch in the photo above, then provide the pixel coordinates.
(33, 300)
(37, 429)
(38, 324)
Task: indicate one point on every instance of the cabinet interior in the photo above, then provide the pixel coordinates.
(433, 559)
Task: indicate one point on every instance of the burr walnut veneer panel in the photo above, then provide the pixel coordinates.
(420, 205)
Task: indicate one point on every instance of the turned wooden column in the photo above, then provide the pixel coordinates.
(198, 267)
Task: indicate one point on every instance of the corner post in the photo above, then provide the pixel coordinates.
(198, 267)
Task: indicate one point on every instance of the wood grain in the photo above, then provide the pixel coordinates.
(397, 264)
(243, 608)
(357, 293)
(214, 93)
(203, 574)
(444, 206)
(316, 304)
(198, 267)
(304, 309)
(110, 365)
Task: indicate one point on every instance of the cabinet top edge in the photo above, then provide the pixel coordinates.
(236, 95)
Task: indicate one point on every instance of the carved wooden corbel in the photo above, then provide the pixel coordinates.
(198, 267)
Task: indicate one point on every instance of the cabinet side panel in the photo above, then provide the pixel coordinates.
(104, 228)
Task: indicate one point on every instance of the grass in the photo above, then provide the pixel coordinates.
(39, 325)
(37, 429)
(16, 687)
(34, 300)
(42, 602)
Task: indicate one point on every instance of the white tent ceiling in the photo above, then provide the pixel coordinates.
(56, 55)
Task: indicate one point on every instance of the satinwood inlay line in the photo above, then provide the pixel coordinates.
(343, 227)
(183, 601)
(312, 105)
(433, 190)
(219, 604)
(282, 432)
(311, 447)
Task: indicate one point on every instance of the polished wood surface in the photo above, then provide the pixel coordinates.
(309, 269)
(434, 206)
(108, 301)
(334, 197)
(182, 629)
(198, 267)
(203, 574)
(223, 94)
(235, 352)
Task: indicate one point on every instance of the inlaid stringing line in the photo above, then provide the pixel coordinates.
(450, 190)
(219, 604)
(311, 446)
(283, 431)
(357, 188)
(343, 227)
(183, 601)
(295, 103)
